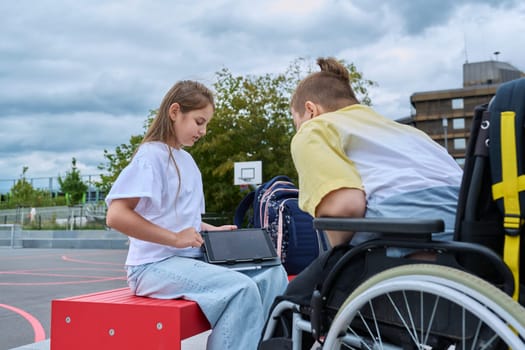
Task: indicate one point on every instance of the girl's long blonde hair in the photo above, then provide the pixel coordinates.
(190, 95)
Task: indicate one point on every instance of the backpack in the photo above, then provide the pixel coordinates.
(491, 205)
(275, 207)
(507, 158)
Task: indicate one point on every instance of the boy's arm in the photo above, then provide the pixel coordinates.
(343, 202)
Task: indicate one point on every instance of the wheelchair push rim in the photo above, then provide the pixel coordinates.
(477, 298)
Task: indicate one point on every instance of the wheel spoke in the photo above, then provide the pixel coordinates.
(431, 321)
(456, 311)
(413, 336)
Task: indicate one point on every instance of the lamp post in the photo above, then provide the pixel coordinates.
(445, 130)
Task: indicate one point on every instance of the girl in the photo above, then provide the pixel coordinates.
(158, 200)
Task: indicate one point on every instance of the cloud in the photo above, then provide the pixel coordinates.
(78, 77)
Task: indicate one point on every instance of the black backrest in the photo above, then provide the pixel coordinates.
(480, 219)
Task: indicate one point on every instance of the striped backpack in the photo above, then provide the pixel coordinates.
(274, 206)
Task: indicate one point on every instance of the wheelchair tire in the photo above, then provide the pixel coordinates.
(425, 306)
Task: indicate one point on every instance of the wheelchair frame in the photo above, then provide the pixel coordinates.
(485, 220)
(495, 311)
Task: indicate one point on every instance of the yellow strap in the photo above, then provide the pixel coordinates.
(511, 256)
(497, 189)
(509, 189)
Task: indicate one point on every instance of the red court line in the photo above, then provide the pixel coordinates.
(47, 273)
(40, 334)
(55, 255)
(60, 283)
(48, 270)
(69, 259)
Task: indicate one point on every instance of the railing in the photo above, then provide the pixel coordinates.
(56, 217)
(10, 235)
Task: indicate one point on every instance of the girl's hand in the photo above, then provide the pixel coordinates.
(189, 237)
(207, 227)
(226, 228)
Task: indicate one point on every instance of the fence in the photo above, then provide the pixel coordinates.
(10, 235)
(52, 185)
(29, 228)
(56, 217)
(91, 215)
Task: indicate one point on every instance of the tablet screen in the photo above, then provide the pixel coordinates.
(238, 245)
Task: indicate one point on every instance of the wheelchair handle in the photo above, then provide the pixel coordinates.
(383, 225)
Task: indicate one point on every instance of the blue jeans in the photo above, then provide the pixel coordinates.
(431, 203)
(235, 303)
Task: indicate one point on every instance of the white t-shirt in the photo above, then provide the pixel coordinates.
(355, 147)
(164, 200)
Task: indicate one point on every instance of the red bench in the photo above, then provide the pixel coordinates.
(116, 319)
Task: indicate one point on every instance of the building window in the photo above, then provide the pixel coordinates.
(458, 123)
(457, 103)
(459, 143)
(461, 162)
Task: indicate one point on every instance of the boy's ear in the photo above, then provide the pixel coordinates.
(312, 109)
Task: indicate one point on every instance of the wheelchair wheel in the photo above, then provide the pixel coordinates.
(427, 307)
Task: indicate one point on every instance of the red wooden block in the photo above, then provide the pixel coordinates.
(116, 319)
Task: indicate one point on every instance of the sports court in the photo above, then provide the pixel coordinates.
(31, 278)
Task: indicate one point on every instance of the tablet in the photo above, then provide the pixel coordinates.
(240, 249)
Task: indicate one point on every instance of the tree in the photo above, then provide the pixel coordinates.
(251, 122)
(116, 162)
(73, 185)
(22, 192)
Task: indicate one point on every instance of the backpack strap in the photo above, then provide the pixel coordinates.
(242, 208)
(278, 178)
(506, 144)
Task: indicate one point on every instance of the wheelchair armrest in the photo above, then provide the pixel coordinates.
(382, 225)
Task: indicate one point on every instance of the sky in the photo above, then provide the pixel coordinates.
(80, 76)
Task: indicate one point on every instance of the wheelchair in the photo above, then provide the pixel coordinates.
(466, 296)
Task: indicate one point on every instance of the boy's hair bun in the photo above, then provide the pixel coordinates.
(331, 65)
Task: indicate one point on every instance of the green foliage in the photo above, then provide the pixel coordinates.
(117, 161)
(24, 195)
(251, 122)
(73, 185)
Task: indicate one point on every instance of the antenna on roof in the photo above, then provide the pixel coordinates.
(496, 54)
(465, 46)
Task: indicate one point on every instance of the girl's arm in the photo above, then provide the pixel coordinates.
(122, 217)
(208, 227)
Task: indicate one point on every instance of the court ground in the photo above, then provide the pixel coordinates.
(31, 278)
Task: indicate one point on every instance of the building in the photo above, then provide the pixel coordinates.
(446, 115)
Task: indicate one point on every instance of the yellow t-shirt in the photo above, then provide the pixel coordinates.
(355, 147)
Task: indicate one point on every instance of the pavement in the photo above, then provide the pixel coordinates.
(30, 278)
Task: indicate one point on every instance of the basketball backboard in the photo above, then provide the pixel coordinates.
(247, 173)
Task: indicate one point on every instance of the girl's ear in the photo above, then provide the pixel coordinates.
(174, 110)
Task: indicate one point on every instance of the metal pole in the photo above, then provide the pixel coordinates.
(445, 131)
